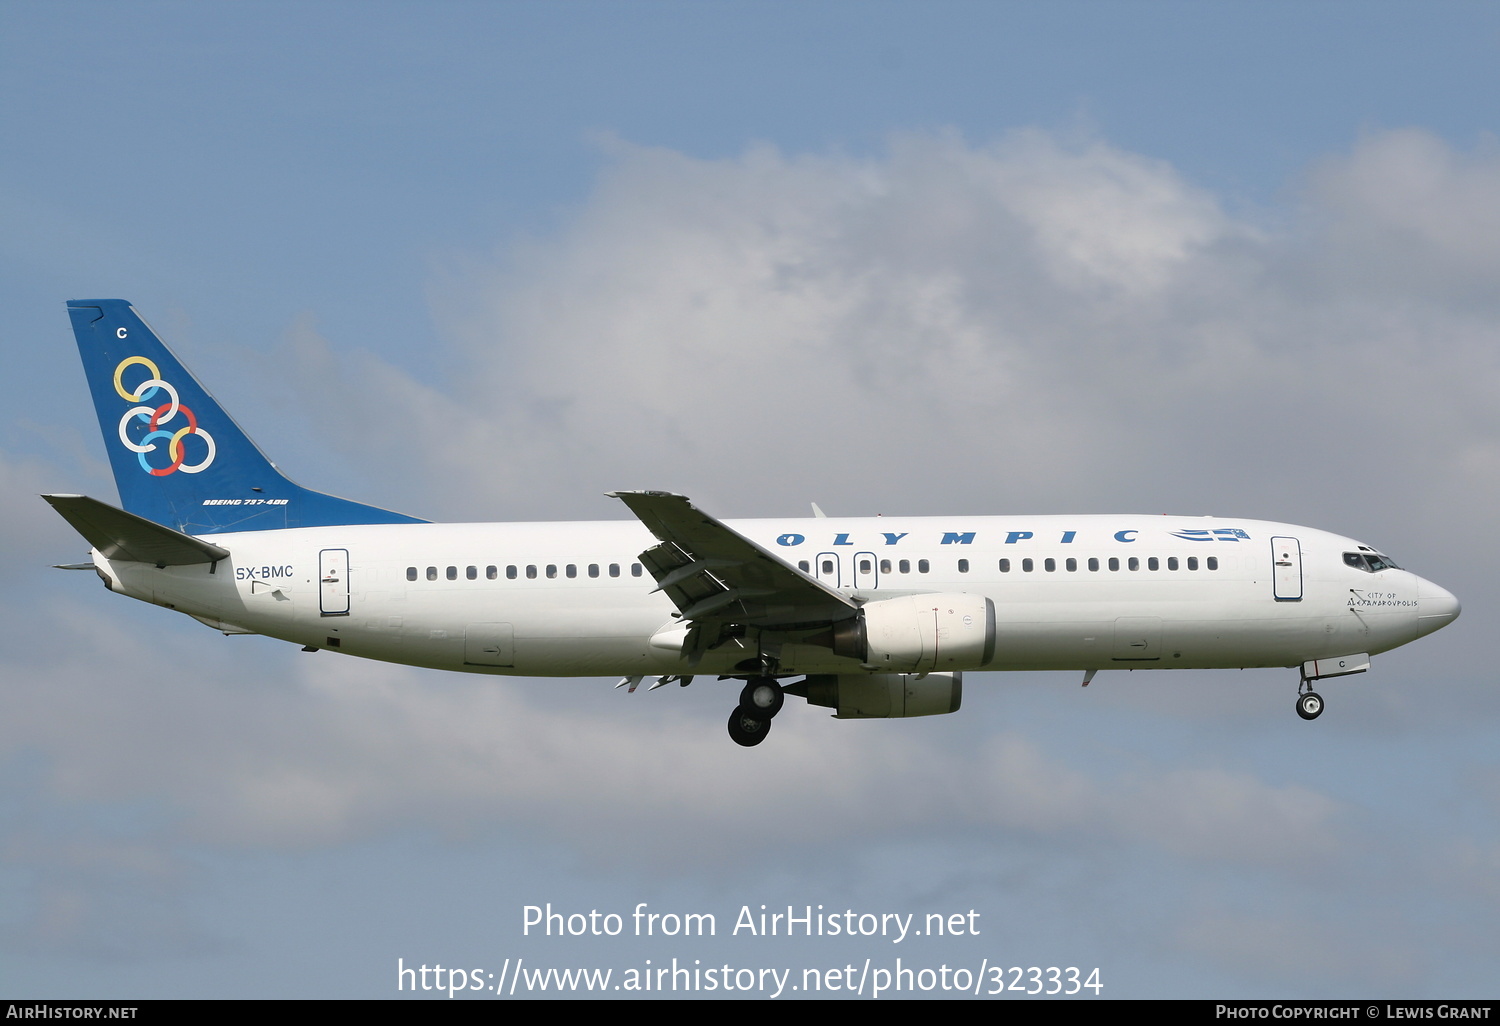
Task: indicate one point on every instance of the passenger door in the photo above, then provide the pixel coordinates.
(333, 582)
(1286, 569)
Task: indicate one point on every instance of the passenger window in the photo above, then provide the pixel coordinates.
(1135, 563)
(885, 566)
(1072, 565)
(614, 569)
(1213, 562)
(1153, 563)
(1093, 562)
(635, 569)
(1005, 566)
(923, 566)
(472, 573)
(1027, 565)
(804, 566)
(491, 572)
(510, 572)
(1192, 562)
(432, 573)
(1171, 562)
(531, 571)
(1114, 562)
(453, 573)
(572, 570)
(827, 566)
(551, 571)
(411, 573)
(904, 566)
(963, 566)
(1050, 565)
(593, 569)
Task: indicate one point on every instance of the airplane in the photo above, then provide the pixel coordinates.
(872, 617)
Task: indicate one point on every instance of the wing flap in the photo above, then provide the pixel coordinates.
(121, 535)
(715, 575)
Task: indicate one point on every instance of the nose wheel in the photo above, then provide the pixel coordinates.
(1309, 705)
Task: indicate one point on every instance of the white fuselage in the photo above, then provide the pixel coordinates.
(1070, 592)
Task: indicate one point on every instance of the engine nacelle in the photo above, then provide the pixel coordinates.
(860, 696)
(920, 633)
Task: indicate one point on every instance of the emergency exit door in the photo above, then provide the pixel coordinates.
(828, 569)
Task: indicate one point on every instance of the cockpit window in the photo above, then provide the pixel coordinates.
(1369, 562)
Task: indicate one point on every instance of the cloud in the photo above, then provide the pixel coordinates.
(1404, 210)
(1209, 813)
(1303, 952)
(1023, 325)
(340, 750)
(928, 329)
(762, 323)
(27, 523)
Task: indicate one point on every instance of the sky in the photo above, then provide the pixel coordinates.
(488, 261)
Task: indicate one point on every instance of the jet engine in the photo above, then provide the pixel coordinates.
(920, 633)
(861, 696)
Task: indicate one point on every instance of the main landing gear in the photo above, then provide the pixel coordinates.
(1309, 702)
(760, 701)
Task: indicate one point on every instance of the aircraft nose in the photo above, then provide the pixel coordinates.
(1436, 607)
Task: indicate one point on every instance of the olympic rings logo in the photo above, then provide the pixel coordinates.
(155, 417)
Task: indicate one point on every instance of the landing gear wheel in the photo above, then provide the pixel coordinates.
(1309, 705)
(763, 697)
(746, 728)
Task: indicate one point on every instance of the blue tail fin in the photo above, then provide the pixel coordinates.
(178, 458)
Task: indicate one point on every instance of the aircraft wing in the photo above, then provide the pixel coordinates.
(717, 576)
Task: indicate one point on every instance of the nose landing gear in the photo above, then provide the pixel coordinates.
(1309, 703)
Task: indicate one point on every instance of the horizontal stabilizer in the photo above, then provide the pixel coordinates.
(121, 535)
